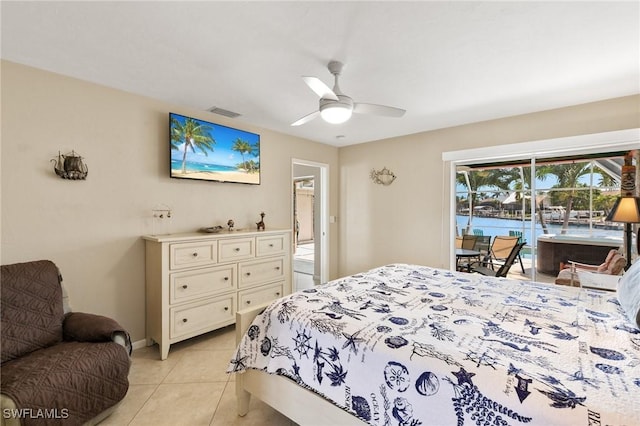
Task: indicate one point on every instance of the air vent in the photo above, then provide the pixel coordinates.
(224, 112)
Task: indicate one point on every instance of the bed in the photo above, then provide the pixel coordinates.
(413, 345)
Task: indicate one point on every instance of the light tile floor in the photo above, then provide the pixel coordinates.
(189, 388)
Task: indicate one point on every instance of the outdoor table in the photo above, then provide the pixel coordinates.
(466, 254)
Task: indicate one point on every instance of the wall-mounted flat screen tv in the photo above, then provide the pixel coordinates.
(208, 151)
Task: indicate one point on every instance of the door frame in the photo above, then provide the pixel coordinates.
(321, 241)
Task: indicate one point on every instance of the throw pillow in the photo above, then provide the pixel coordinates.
(629, 293)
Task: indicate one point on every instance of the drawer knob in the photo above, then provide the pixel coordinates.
(270, 245)
(277, 268)
(248, 273)
(226, 278)
(195, 254)
(237, 249)
(278, 293)
(248, 302)
(184, 320)
(226, 308)
(185, 286)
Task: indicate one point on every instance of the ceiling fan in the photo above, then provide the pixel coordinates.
(335, 106)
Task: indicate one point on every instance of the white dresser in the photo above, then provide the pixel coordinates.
(196, 282)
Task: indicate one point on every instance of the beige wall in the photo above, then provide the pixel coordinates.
(406, 221)
(91, 229)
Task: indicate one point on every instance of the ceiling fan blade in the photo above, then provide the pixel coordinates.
(321, 89)
(306, 118)
(374, 109)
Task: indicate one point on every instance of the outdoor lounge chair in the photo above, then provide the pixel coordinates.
(613, 265)
(482, 268)
(501, 248)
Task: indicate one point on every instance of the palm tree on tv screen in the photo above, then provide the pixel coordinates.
(243, 147)
(194, 135)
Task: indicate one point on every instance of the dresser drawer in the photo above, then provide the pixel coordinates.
(270, 245)
(250, 273)
(201, 315)
(253, 297)
(236, 249)
(185, 255)
(187, 285)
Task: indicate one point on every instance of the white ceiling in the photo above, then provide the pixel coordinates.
(446, 63)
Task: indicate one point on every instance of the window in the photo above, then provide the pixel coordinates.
(541, 193)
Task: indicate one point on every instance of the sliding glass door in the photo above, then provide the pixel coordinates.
(556, 205)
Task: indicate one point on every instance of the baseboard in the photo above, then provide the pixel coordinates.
(139, 344)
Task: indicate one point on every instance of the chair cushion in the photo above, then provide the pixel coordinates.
(607, 261)
(77, 380)
(32, 311)
(629, 293)
(616, 265)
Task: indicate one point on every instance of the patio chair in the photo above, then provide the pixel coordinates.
(501, 248)
(613, 265)
(469, 241)
(504, 267)
(520, 240)
(483, 244)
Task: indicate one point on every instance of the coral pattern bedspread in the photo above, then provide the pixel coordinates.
(412, 345)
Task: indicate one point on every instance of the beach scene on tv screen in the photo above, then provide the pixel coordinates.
(208, 151)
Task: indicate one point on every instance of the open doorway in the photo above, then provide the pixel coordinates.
(310, 264)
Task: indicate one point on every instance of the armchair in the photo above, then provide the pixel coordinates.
(57, 368)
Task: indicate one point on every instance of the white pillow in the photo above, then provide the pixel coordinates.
(629, 293)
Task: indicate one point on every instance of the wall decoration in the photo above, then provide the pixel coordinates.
(207, 151)
(70, 166)
(382, 177)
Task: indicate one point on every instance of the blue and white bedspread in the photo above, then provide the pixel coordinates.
(412, 345)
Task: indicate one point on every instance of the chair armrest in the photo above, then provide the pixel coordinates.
(583, 266)
(84, 327)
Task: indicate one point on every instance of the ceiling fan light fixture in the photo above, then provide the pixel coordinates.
(335, 113)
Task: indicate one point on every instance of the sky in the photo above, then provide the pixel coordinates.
(222, 153)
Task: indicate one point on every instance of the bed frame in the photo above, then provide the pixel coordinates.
(298, 404)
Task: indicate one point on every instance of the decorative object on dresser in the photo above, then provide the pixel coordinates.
(231, 224)
(260, 224)
(196, 282)
(70, 166)
(212, 229)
